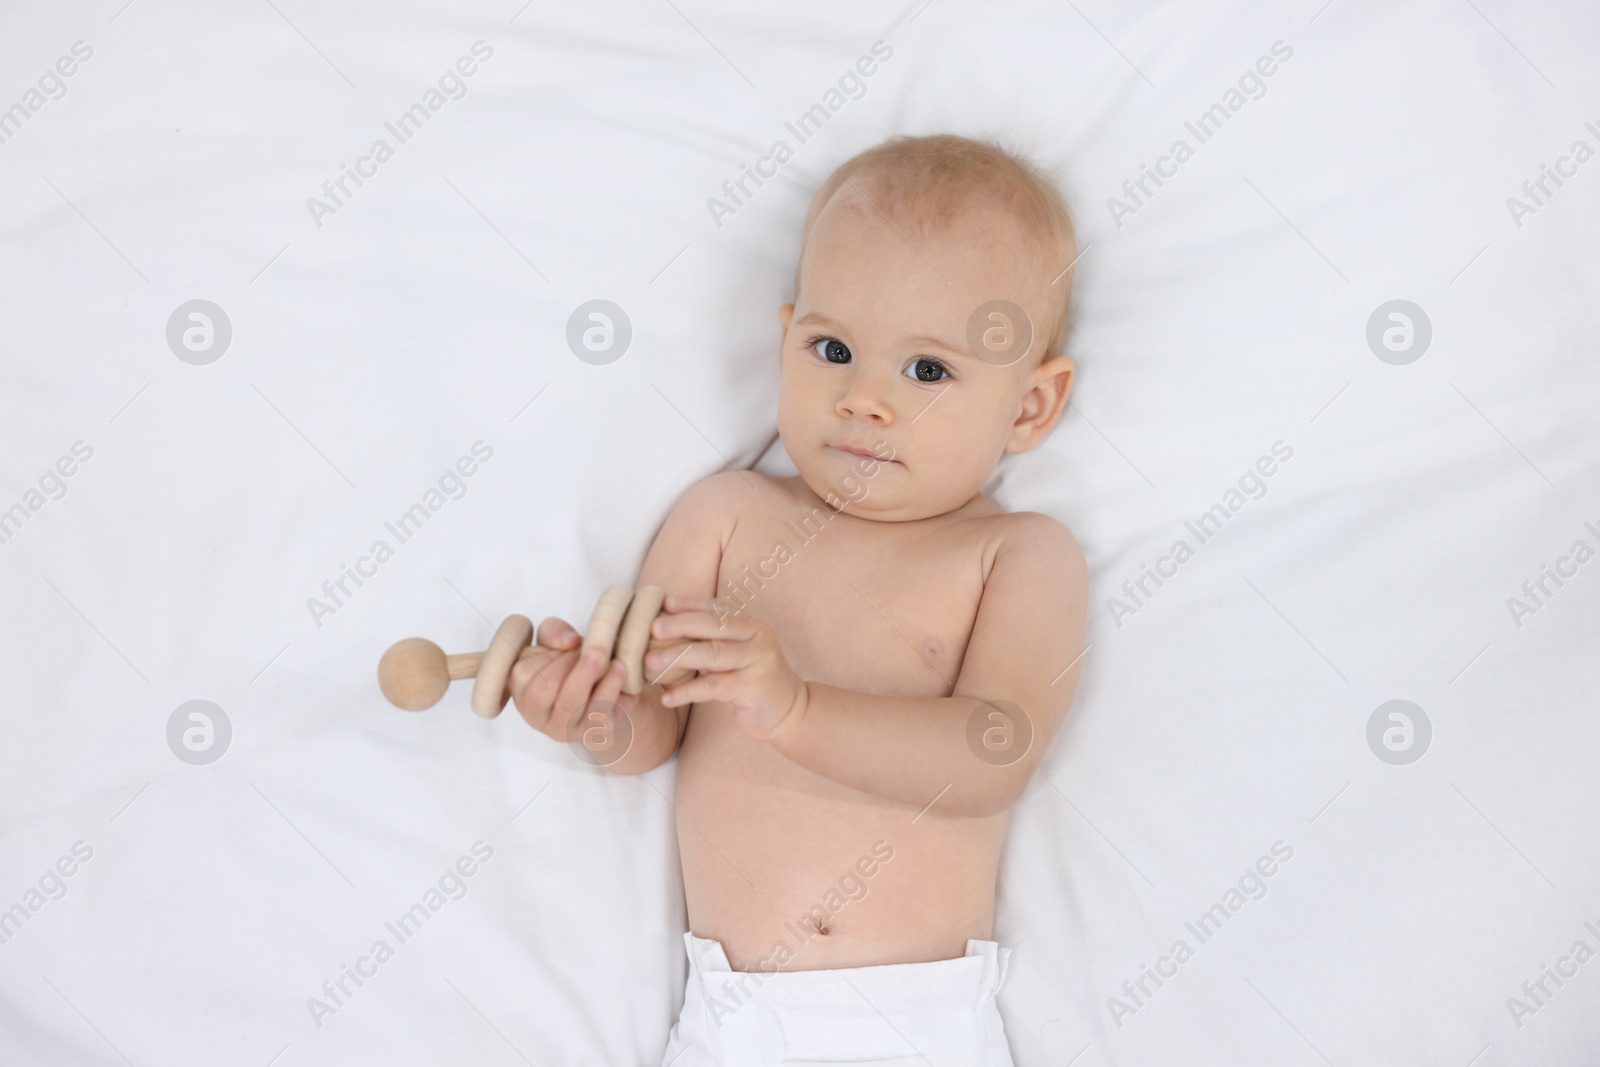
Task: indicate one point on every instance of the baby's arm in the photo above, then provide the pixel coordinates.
(685, 556)
(1024, 650)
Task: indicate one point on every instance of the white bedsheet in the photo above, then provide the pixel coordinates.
(377, 338)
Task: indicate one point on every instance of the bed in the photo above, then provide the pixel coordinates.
(1339, 344)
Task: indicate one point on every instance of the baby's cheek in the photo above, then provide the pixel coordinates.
(961, 453)
(805, 415)
(792, 423)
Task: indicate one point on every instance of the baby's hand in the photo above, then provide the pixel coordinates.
(739, 660)
(550, 686)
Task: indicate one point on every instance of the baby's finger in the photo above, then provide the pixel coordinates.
(711, 655)
(676, 603)
(579, 684)
(701, 625)
(557, 633)
(534, 683)
(610, 688)
(525, 668)
(603, 728)
(653, 675)
(696, 690)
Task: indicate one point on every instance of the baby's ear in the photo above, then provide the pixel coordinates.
(786, 313)
(1043, 403)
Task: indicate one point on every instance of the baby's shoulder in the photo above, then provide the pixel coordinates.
(730, 493)
(1027, 538)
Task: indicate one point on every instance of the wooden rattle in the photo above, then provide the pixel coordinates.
(415, 672)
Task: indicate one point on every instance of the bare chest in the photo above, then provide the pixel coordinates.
(883, 608)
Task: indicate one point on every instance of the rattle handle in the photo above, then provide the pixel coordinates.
(465, 664)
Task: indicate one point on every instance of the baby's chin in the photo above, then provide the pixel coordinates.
(880, 491)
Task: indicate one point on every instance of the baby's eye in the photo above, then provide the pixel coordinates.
(832, 350)
(927, 370)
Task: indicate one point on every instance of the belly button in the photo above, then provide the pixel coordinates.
(823, 928)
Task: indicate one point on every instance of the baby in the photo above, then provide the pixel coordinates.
(890, 653)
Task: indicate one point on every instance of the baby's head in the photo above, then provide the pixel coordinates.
(930, 305)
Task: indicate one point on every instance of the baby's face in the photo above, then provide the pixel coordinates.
(876, 360)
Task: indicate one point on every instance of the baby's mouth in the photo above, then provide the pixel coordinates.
(863, 453)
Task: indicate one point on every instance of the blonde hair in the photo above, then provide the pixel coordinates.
(932, 179)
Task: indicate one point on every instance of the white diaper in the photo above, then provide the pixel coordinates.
(941, 1013)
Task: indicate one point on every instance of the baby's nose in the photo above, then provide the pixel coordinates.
(867, 398)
